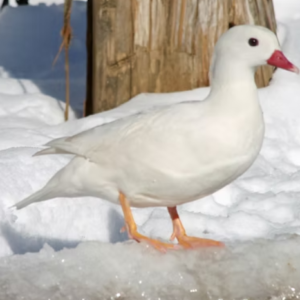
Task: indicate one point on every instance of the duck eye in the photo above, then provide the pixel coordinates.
(253, 42)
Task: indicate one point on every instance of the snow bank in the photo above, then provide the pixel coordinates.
(257, 216)
(261, 271)
(48, 2)
(27, 55)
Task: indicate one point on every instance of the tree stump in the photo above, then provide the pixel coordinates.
(137, 46)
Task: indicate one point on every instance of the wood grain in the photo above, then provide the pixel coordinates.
(162, 45)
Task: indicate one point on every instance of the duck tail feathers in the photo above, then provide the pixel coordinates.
(60, 146)
(49, 151)
(45, 193)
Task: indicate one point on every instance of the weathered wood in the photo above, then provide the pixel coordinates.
(162, 45)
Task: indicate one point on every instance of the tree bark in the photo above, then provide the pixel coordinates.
(161, 45)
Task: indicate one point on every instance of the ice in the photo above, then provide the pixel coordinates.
(73, 248)
(261, 270)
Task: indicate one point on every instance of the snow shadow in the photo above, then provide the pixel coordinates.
(30, 39)
(115, 223)
(21, 244)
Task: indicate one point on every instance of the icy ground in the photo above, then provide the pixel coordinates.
(257, 216)
(95, 271)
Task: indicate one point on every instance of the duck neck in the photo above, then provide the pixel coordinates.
(232, 82)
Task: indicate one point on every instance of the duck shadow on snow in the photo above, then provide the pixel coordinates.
(21, 243)
(115, 223)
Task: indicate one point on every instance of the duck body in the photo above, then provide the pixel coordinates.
(176, 154)
(169, 156)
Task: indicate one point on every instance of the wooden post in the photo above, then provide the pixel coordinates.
(161, 45)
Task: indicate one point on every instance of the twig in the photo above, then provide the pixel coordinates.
(66, 34)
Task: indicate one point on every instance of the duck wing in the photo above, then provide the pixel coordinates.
(152, 127)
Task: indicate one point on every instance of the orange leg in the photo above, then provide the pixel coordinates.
(188, 241)
(132, 228)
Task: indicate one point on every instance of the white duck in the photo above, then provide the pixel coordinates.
(172, 155)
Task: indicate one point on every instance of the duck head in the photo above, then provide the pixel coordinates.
(247, 47)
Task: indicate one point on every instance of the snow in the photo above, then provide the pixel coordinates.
(39, 2)
(257, 216)
(36, 34)
(83, 273)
